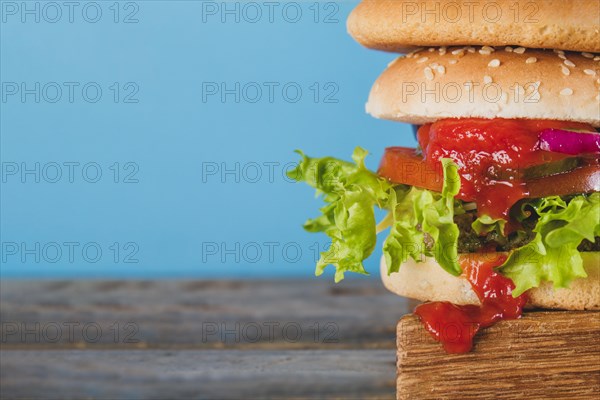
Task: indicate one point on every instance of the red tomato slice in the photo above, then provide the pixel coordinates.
(404, 165)
(580, 180)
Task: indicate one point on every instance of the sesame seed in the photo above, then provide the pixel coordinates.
(422, 60)
(562, 56)
(519, 50)
(494, 63)
(597, 58)
(587, 55)
(589, 72)
(428, 74)
(485, 52)
(487, 79)
(471, 49)
(569, 63)
(560, 51)
(488, 48)
(431, 49)
(530, 60)
(414, 52)
(566, 92)
(452, 62)
(565, 70)
(508, 49)
(441, 69)
(442, 50)
(457, 52)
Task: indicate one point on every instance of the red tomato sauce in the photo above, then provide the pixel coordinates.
(455, 326)
(483, 150)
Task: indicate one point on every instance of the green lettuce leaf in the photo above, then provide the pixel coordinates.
(553, 255)
(351, 191)
(404, 239)
(423, 224)
(439, 220)
(486, 224)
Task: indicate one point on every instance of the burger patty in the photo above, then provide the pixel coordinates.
(470, 242)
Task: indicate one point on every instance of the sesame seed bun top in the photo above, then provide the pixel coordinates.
(487, 82)
(395, 25)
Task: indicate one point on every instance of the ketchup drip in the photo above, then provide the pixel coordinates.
(491, 155)
(455, 326)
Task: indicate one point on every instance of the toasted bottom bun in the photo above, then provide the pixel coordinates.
(427, 281)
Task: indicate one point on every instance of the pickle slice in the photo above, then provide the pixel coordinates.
(552, 168)
(534, 171)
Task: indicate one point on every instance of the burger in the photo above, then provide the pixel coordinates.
(498, 207)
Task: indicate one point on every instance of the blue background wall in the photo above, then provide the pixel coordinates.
(191, 184)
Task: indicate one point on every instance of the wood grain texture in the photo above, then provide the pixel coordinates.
(197, 374)
(544, 355)
(177, 314)
(169, 357)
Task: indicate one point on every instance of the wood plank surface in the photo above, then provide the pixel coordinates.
(541, 356)
(198, 339)
(198, 374)
(273, 314)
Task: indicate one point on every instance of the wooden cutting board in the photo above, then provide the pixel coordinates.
(544, 355)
